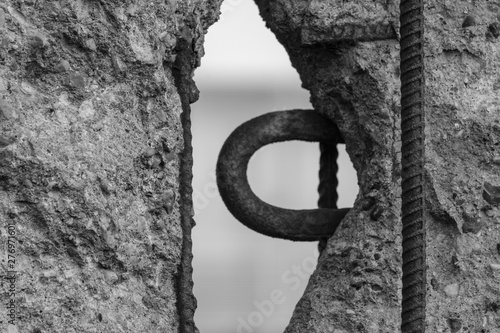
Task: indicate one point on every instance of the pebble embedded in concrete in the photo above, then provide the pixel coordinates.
(452, 289)
(7, 110)
(494, 29)
(455, 324)
(491, 193)
(376, 212)
(469, 21)
(90, 43)
(63, 66)
(495, 267)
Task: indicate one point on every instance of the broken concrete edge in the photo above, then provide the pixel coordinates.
(188, 56)
(347, 80)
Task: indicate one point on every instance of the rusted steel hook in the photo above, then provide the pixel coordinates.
(298, 225)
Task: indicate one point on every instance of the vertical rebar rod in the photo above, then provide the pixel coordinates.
(328, 182)
(413, 160)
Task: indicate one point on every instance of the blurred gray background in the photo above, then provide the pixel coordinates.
(246, 282)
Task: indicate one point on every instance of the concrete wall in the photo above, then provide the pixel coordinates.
(95, 163)
(356, 287)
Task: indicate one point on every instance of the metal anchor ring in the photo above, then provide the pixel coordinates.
(244, 141)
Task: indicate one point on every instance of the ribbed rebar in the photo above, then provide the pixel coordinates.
(328, 181)
(328, 169)
(412, 160)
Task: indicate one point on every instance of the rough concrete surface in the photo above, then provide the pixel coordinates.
(356, 286)
(462, 71)
(95, 163)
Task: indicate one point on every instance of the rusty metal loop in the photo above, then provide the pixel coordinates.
(232, 164)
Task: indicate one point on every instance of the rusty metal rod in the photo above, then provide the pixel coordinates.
(413, 161)
(328, 181)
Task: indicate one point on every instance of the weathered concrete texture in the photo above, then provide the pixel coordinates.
(462, 60)
(95, 162)
(328, 21)
(355, 287)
